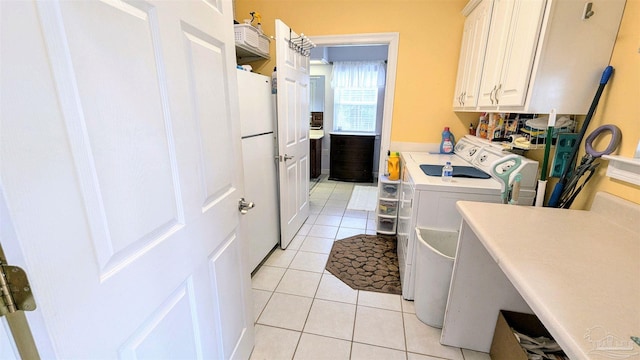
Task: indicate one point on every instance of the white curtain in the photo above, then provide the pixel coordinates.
(358, 74)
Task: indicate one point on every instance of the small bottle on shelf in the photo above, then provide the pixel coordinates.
(447, 172)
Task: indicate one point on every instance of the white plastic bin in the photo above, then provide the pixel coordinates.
(434, 264)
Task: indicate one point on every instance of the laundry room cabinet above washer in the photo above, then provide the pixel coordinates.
(510, 52)
(474, 42)
(535, 55)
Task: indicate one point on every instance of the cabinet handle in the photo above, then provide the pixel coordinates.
(491, 94)
(496, 94)
(464, 94)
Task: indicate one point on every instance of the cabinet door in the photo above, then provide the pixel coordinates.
(463, 66)
(511, 48)
(496, 47)
(474, 43)
(520, 53)
(351, 158)
(480, 20)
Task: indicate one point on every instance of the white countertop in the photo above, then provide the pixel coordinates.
(316, 134)
(579, 271)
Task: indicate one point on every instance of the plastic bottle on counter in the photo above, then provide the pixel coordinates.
(394, 165)
(447, 143)
(447, 172)
(274, 81)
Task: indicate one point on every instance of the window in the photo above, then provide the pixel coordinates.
(355, 86)
(355, 109)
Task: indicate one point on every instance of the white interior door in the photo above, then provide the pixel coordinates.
(293, 133)
(121, 176)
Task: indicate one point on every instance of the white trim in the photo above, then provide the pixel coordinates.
(470, 6)
(391, 39)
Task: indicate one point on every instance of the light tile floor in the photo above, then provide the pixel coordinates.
(302, 311)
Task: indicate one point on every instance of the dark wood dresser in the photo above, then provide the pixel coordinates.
(351, 157)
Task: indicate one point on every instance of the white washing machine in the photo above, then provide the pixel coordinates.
(428, 202)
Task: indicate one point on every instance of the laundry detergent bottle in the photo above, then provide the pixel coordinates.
(394, 165)
(447, 143)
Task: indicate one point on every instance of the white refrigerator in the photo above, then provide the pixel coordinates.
(261, 225)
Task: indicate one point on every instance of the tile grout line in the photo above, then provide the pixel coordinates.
(353, 331)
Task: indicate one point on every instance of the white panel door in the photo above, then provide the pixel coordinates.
(121, 174)
(293, 133)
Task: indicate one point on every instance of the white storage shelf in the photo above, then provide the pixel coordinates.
(386, 225)
(623, 168)
(245, 54)
(250, 44)
(387, 212)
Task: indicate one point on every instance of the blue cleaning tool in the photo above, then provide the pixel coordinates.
(502, 169)
(554, 200)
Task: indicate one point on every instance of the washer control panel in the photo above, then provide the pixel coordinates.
(467, 149)
(486, 157)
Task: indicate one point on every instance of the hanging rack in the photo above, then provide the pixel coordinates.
(301, 44)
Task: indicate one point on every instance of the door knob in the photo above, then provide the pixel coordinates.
(244, 206)
(287, 157)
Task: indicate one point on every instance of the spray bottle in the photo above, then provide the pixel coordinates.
(256, 16)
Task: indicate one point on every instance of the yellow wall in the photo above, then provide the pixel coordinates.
(430, 34)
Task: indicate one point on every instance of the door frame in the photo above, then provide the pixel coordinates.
(390, 39)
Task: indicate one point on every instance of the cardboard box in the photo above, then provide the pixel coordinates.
(505, 346)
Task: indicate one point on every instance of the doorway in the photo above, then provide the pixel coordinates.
(386, 39)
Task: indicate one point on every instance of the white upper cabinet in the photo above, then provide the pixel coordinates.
(474, 42)
(512, 42)
(541, 55)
